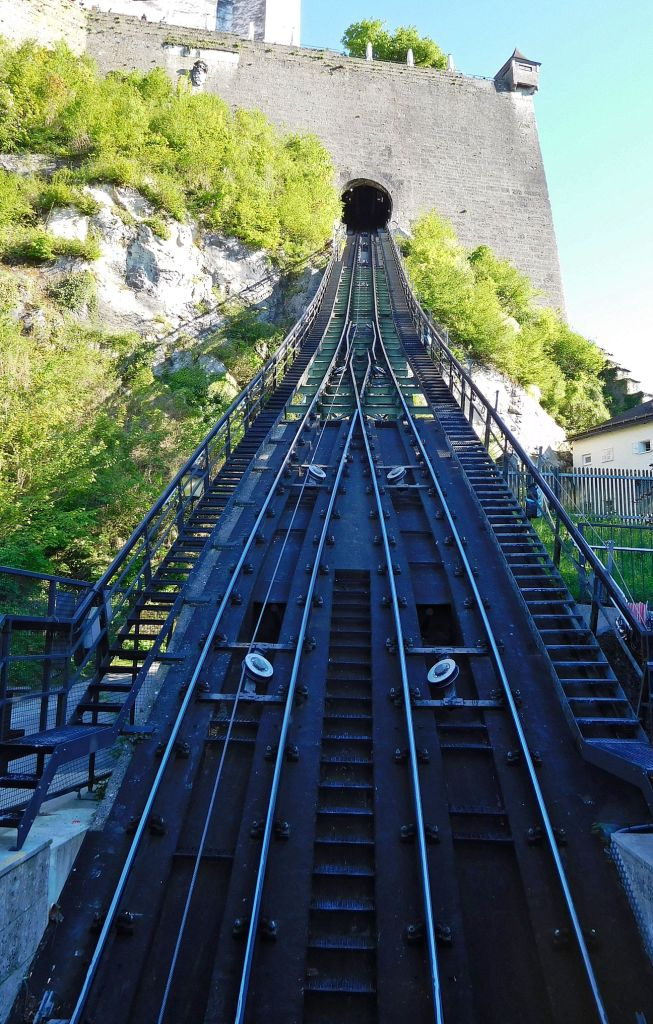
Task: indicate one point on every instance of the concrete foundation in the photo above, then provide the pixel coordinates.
(633, 855)
(31, 880)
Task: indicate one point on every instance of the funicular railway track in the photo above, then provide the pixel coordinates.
(343, 841)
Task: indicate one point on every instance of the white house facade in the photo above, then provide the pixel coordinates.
(624, 442)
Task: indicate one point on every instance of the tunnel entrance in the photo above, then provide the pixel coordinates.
(366, 206)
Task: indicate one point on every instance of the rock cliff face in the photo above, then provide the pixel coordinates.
(155, 275)
(169, 281)
(520, 410)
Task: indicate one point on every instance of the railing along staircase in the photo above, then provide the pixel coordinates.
(612, 730)
(75, 659)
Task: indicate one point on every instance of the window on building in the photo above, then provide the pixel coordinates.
(607, 455)
(641, 447)
(225, 15)
(587, 460)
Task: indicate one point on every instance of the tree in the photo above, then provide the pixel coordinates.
(393, 47)
(490, 310)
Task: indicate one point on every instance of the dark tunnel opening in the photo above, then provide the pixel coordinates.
(366, 207)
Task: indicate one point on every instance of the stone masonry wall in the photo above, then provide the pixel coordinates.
(44, 20)
(433, 139)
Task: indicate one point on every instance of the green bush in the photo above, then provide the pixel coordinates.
(393, 47)
(16, 194)
(183, 151)
(74, 291)
(158, 226)
(192, 383)
(36, 246)
(491, 313)
(33, 246)
(78, 248)
(9, 294)
(59, 192)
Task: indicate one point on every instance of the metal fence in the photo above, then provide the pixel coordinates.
(627, 551)
(627, 493)
(603, 505)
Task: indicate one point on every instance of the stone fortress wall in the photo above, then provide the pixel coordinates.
(462, 145)
(44, 20)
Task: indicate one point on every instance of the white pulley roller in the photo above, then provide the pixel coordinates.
(396, 474)
(316, 472)
(257, 668)
(443, 674)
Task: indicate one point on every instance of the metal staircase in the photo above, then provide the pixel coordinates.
(604, 723)
(88, 661)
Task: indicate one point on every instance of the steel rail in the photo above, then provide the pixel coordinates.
(510, 700)
(305, 321)
(76, 1016)
(225, 747)
(412, 746)
(285, 725)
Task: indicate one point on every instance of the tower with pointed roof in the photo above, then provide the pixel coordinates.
(519, 74)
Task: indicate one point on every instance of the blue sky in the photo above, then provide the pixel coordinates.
(595, 114)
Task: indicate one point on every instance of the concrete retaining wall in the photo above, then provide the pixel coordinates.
(31, 880)
(633, 855)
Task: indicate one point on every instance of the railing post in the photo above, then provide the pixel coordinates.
(207, 469)
(488, 428)
(148, 556)
(597, 588)
(5, 648)
(47, 662)
(647, 682)
(557, 544)
(582, 567)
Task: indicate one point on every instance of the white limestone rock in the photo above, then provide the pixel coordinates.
(240, 272)
(520, 410)
(29, 163)
(67, 222)
(132, 201)
(212, 366)
(301, 290)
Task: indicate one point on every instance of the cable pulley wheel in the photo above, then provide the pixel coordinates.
(443, 674)
(257, 667)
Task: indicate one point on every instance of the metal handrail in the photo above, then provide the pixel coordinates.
(103, 603)
(508, 694)
(76, 1015)
(298, 330)
(423, 320)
